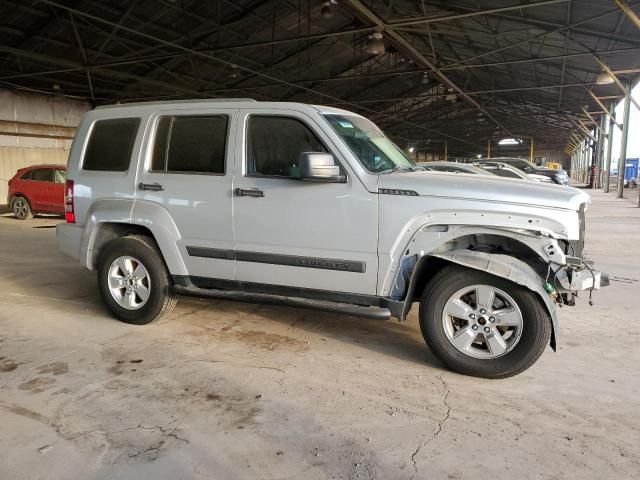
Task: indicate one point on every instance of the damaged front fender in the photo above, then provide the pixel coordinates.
(509, 268)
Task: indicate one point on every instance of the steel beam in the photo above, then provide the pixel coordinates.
(625, 137)
(459, 16)
(628, 12)
(403, 45)
(551, 32)
(622, 86)
(607, 165)
(62, 62)
(606, 110)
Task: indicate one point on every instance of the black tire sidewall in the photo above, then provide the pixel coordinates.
(159, 279)
(29, 210)
(533, 340)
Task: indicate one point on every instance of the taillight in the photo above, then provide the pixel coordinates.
(69, 213)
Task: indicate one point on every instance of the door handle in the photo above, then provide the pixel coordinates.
(154, 187)
(249, 192)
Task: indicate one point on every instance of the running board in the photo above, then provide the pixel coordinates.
(374, 313)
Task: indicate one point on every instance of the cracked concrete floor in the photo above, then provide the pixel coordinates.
(225, 390)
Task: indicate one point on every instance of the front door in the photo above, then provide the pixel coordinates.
(188, 171)
(295, 233)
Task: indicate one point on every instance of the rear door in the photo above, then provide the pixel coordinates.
(38, 188)
(56, 190)
(188, 170)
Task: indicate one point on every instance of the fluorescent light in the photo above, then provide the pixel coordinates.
(508, 141)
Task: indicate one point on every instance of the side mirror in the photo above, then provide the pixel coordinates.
(319, 167)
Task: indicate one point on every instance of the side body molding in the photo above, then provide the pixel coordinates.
(503, 266)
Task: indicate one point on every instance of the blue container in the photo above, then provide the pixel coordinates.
(631, 168)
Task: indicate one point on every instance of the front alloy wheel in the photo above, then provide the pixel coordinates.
(482, 321)
(482, 325)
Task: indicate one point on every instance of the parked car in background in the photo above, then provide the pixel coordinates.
(553, 165)
(37, 189)
(557, 176)
(507, 171)
(453, 167)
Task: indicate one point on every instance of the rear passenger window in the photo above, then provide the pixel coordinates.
(190, 144)
(110, 145)
(42, 175)
(27, 175)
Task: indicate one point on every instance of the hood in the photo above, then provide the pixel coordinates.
(550, 171)
(538, 177)
(485, 189)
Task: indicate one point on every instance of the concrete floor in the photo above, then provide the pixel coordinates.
(228, 390)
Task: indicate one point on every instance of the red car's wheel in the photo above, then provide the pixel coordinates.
(21, 208)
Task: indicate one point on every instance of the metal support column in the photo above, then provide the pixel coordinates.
(597, 183)
(625, 137)
(607, 163)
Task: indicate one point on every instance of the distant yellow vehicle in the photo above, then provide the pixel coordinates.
(553, 165)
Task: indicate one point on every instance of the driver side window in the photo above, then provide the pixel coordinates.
(274, 145)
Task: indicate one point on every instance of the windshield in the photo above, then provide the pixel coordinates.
(375, 152)
(521, 164)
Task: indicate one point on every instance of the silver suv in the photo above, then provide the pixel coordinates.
(316, 207)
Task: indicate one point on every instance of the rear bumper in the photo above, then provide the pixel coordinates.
(69, 239)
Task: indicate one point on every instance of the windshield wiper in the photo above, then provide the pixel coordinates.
(399, 168)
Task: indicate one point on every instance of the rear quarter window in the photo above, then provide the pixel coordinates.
(110, 145)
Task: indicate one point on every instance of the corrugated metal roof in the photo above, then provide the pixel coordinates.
(462, 71)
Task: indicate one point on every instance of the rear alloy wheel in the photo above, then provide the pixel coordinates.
(21, 208)
(129, 282)
(134, 281)
(482, 325)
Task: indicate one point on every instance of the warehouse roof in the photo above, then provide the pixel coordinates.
(460, 71)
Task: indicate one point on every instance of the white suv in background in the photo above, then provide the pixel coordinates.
(315, 205)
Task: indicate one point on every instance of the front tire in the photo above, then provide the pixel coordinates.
(21, 208)
(482, 325)
(134, 281)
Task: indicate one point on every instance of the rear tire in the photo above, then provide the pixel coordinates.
(21, 208)
(134, 281)
(517, 325)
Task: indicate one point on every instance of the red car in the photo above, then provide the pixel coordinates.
(37, 189)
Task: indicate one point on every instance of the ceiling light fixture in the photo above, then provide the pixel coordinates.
(508, 141)
(605, 78)
(375, 45)
(326, 11)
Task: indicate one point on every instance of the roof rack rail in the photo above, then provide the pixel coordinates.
(174, 102)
